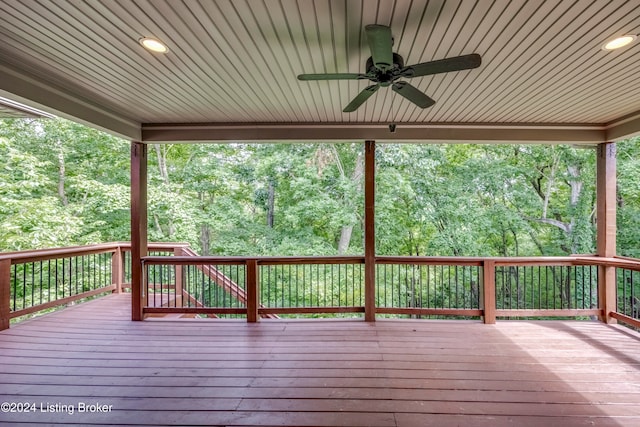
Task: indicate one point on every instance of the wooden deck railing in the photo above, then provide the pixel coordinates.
(37, 280)
(405, 286)
(254, 287)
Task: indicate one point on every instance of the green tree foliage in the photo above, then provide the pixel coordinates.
(62, 184)
(628, 210)
(237, 199)
(496, 200)
(65, 184)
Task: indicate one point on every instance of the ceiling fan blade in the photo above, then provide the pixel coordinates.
(334, 76)
(457, 63)
(412, 94)
(380, 44)
(359, 100)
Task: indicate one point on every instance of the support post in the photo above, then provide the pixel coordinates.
(606, 227)
(138, 226)
(116, 270)
(489, 291)
(5, 293)
(180, 293)
(252, 291)
(369, 232)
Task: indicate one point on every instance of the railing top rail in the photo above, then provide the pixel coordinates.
(539, 261)
(430, 260)
(43, 254)
(34, 255)
(157, 245)
(409, 260)
(239, 260)
(311, 260)
(498, 261)
(620, 262)
(627, 258)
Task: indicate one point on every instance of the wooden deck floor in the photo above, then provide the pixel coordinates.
(316, 373)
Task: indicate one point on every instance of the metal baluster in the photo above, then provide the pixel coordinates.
(24, 287)
(48, 280)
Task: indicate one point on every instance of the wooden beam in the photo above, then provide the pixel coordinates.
(138, 226)
(116, 269)
(194, 310)
(467, 312)
(626, 319)
(46, 254)
(493, 133)
(570, 312)
(626, 127)
(489, 291)
(309, 310)
(253, 292)
(606, 200)
(369, 231)
(63, 301)
(606, 226)
(179, 277)
(5, 293)
(22, 86)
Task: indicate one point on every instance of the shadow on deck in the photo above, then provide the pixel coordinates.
(315, 373)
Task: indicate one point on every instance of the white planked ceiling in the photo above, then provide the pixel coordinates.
(235, 62)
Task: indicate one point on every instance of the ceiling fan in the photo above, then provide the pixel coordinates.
(386, 68)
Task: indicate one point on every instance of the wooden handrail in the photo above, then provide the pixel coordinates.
(9, 259)
(503, 261)
(628, 263)
(33, 255)
(159, 246)
(429, 260)
(46, 254)
(236, 260)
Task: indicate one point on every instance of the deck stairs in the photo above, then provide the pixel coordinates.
(218, 277)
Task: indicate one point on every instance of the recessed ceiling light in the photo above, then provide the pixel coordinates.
(154, 45)
(619, 42)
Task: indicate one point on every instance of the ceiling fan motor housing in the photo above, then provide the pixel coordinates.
(385, 78)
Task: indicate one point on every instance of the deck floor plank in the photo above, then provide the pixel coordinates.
(317, 373)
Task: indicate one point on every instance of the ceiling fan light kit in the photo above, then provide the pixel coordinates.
(386, 68)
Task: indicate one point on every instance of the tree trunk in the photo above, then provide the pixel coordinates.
(345, 239)
(205, 239)
(575, 183)
(550, 184)
(61, 174)
(156, 222)
(162, 164)
(271, 204)
(161, 152)
(356, 179)
(576, 186)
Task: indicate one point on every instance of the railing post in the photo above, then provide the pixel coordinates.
(606, 227)
(369, 231)
(116, 270)
(252, 291)
(179, 278)
(5, 293)
(489, 291)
